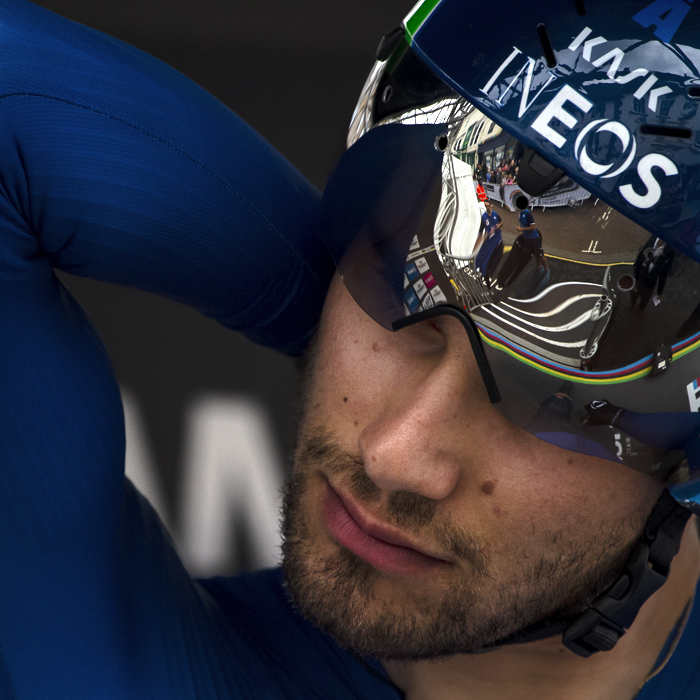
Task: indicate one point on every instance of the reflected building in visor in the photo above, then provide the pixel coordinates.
(561, 313)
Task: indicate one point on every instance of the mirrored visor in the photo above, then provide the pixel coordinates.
(589, 325)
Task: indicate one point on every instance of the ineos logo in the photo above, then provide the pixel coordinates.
(617, 130)
(645, 166)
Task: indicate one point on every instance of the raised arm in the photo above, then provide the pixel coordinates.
(115, 166)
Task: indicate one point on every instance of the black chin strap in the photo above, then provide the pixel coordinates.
(610, 615)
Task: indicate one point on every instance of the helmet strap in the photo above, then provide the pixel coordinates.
(609, 616)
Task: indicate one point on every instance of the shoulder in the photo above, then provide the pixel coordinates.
(310, 663)
(258, 604)
(680, 678)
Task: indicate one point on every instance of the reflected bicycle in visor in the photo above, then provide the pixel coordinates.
(585, 325)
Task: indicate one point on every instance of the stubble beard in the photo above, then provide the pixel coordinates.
(338, 592)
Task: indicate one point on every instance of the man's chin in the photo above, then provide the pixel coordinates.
(374, 615)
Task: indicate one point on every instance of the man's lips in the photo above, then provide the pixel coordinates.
(377, 544)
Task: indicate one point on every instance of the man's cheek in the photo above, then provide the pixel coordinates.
(344, 391)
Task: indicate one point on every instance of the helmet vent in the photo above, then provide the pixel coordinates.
(441, 142)
(580, 8)
(547, 49)
(673, 132)
(694, 91)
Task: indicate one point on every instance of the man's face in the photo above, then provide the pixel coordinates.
(399, 445)
(488, 207)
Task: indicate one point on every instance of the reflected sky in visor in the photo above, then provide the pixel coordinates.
(589, 324)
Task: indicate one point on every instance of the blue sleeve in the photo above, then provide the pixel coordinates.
(115, 166)
(666, 431)
(680, 678)
(663, 431)
(530, 218)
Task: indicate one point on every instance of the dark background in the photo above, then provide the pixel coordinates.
(293, 70)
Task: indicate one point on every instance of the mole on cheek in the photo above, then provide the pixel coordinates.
(488, 487)
(345, 399)
(375, 347)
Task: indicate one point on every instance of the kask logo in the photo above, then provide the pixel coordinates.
(609, 141)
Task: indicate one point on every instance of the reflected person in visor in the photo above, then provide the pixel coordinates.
(497, 469)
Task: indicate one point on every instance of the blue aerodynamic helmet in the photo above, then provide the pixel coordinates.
(545, 190)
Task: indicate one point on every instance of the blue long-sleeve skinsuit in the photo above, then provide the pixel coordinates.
(113, 165)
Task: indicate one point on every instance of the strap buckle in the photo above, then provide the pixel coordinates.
(600, 627)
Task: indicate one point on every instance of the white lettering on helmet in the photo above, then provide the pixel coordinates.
(516, 51)
(598, 169)
(528, 68)
(555, 110)
(644, 167)
(576, 43)
(636, 73)
(614, 56)
(646, 86)
(655, 94)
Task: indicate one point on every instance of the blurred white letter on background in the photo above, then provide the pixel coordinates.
(231, 471)
(231, 475)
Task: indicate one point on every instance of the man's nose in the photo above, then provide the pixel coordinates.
(417, 442)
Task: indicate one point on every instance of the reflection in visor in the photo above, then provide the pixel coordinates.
(588, 323)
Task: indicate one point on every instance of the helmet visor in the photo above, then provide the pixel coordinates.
(590, 326)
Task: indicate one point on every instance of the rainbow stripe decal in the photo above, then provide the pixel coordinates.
(616, 376)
